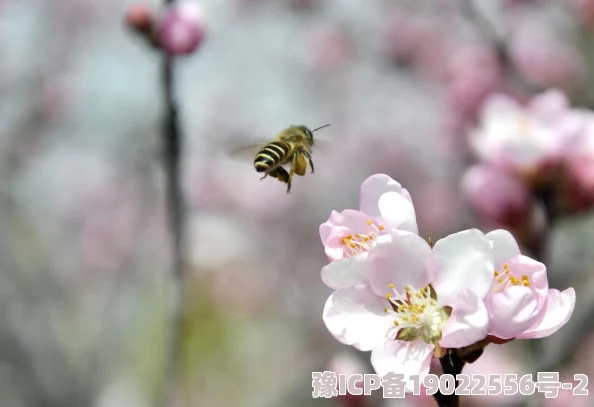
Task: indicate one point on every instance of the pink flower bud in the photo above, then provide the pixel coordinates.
(181, 28)
(139, 17)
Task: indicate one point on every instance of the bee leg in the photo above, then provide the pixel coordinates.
(265, 175)
(283, 176)
(295, 168)
(305, 153)
(299, 164)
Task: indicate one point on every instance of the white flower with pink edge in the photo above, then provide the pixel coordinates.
(417, 300)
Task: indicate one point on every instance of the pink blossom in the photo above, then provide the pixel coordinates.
(525, 138)
(349, 235)
(494, 194)
(382, 203)
(181, 28)
(520, 303)
(417, 300)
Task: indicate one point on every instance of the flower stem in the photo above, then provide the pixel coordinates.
(452, 364)
(171, 142)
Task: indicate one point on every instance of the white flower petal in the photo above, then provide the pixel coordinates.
(556, 313)
(511, 311)
(468, 323)
(405, 260)
(398, 212)
(504, 246)
(345, 272)
(400, 357)
(371, 190)
(355, 316)
(463, 261)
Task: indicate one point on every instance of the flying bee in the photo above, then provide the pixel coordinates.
(292, 147)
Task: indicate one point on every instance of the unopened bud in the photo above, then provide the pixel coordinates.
(181, 28)
(140, 17)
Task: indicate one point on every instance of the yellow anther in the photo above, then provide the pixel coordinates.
(370, 222)
(391, 285)
(388, 295)
(496, 273)
(357, 235)
(385, 310)
(505, 266)
(381, 227)
(499, 279)
(352, 245)
(395, 323)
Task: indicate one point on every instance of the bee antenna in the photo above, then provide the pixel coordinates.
(326, 125)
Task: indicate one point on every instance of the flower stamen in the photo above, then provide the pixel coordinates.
(506, 279)
(416, 314)
(359, 242)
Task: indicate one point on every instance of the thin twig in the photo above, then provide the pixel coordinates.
(172, 140)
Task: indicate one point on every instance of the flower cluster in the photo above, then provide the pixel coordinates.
(408, 300)
(538, 153)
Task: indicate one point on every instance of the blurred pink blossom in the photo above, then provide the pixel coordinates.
(543, 63)
(496, 359)
(410, 284)
(520, 303)
(226, 184)
(584, 10)
(524, 139)
(414, 41)
(330, 48)
(566, 397)
(433, 206)
(494, 194)
(346, 363)
(580, 161)
(473, 73)
(181, 28)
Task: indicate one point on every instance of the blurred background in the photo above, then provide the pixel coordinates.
(85, 244)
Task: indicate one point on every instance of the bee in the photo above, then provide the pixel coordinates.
(292, 147)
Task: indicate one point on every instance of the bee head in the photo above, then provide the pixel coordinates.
(309, 133)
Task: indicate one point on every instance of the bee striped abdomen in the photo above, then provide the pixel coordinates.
(271, 155)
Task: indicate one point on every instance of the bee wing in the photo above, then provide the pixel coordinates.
(246, 153)
(321, 147)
